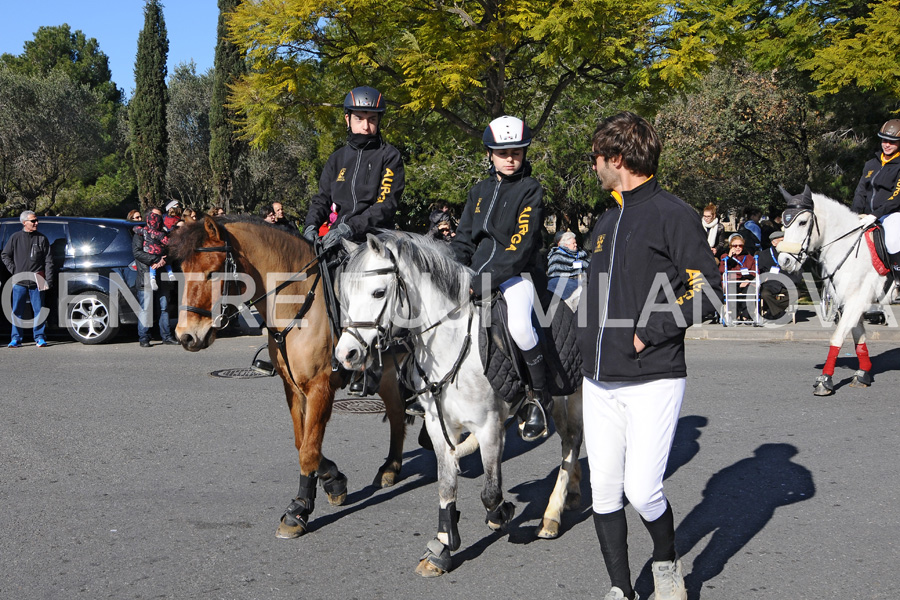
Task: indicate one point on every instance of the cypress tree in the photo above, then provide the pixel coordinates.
(225, 149)
(147, 109)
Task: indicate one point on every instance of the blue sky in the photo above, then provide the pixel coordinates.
(190, 24)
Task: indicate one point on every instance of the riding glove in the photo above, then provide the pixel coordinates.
(337, 233)
(310, 233)
(866, 221)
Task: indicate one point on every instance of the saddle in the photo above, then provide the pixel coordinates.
(880, 257)
(503, 363)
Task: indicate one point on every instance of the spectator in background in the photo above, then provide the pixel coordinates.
(134, 215)
(216, 211)
(151, 300)
(741, 268)
(173, 214)
(280, 219)
(750, 230)
(566, 265)
(267, 214)
(189, 215)
(441, 226)
(27, 257)
(715, 231)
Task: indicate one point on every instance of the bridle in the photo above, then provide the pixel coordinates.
(384, 337)
(229, 271)
(795, 210)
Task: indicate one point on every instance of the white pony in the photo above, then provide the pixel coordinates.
(818, 226)
(404, 280)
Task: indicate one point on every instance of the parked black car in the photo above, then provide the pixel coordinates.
(87, 252)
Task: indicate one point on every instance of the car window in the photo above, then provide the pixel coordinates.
(56, 235)
(89, 239)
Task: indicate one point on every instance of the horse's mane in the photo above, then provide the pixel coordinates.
(191, 236)
(423, 255)
(831, 205)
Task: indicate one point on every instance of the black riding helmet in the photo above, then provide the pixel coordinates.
(364, 98)
(890, 131)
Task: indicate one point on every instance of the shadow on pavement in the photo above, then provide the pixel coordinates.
(738, 502)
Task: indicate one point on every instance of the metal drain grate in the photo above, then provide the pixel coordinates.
(359, 406)
(244, 373)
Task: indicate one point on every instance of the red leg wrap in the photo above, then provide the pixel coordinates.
(833, 352)
(862, 353)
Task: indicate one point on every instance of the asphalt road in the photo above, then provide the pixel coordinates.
(134, 473)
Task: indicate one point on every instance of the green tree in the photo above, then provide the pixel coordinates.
(149, 138)
(225, 149)
(50, 133)
(73, 53)
(466, 62)
(189, 177)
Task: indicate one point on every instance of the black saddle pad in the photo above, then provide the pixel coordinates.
(503, 363)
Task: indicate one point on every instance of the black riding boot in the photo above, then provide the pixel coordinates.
(366, 383)
(535, 413)
(894, 260)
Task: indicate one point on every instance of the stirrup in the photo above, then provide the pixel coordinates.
(365, 383)
(533, 417)
(415, 408)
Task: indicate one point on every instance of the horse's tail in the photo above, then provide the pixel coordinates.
(467, 447)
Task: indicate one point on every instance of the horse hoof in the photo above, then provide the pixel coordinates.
(548, 530)
(500, 517)
(335, 488)
(861, 379)
(573, 502)
(385, 479)
(824, 386)
(426, 569)
(289, 532)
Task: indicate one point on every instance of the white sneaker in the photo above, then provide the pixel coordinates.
(668, 580)
(615, 593)
(153, 285)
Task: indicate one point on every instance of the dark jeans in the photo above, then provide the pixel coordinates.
(145, 321)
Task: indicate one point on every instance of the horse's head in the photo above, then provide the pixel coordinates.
(369, 292)
(204, 251)
(801, 231)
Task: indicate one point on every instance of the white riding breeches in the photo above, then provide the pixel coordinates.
(628, 433)
(891, 224)
(519, 294)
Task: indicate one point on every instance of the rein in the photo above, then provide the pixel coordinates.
(230, 271)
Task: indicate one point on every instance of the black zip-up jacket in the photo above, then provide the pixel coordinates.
(499, 231)
(651, 250)
(878, 191)
(365, 179)
(29, 253)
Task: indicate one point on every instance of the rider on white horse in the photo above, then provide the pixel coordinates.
(499, 236)
(877, 196)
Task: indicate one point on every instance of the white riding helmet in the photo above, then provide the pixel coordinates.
(507, 132)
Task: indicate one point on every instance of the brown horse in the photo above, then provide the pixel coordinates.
(263, 256)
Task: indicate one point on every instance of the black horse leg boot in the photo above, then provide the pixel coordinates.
(535, 413)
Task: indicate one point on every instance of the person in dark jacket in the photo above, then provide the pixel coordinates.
(651, 272)
(27, 257)
(772, 291)
(877, 195)
(151, 298)
(363, 181)
(499, 238)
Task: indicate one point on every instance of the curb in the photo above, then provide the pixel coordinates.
(808, 328)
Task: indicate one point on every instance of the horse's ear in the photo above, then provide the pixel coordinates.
(787, 195)
(375, 245)
(807, 193)
(348, 245)
(212, 229)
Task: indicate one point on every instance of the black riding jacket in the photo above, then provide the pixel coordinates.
(650, 250)
(365, 179)
(878, 192)
(499, 231)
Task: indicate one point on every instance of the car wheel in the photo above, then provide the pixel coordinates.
(88, 319)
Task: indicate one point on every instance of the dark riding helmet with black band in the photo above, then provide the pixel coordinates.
(506, 132)
(890, 131)
(796, 204)
(364, 98)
